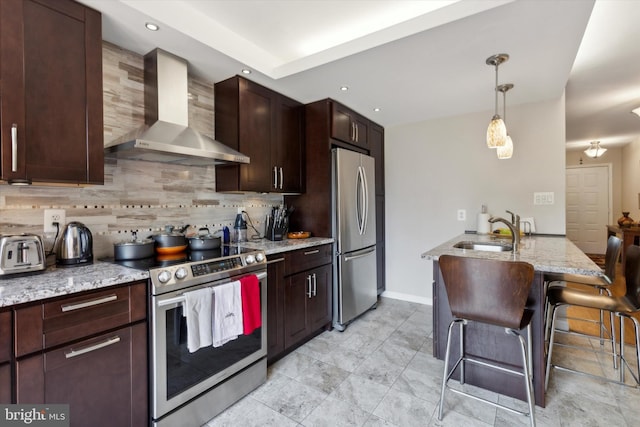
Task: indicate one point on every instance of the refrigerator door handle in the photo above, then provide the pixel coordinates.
(362, 200)
(359, 254)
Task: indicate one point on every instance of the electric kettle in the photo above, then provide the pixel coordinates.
(75, 246)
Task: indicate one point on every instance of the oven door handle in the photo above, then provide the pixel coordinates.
(180, 298)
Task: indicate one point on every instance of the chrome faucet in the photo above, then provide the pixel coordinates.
(514, 226)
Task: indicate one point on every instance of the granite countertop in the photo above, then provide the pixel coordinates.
(555, 254)
(55, 281)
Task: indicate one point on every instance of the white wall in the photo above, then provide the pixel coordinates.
(436, 167)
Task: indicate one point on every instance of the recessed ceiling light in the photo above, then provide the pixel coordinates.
(151, 26)
(377, 109)
(246, 71)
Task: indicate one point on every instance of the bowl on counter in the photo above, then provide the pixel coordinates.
(299, 235)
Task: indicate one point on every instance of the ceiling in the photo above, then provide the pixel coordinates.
(414, 60)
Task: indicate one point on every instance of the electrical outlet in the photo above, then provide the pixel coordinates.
(241, 209)
(51, 216)
(462, 215)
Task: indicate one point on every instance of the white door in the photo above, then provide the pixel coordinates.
(588, 207)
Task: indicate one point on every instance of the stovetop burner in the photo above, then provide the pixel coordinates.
(157, 261)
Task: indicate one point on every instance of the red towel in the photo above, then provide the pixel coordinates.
(250, 291)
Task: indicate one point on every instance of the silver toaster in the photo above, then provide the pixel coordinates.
(21, 253)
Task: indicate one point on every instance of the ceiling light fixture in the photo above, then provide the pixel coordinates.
(636, 111)
(151, 26)
(377, 109)
(505, 151)
(344, 88)
(497, 131)
(595, 150)
(246, 71)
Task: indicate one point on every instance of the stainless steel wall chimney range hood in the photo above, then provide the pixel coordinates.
(166, 136)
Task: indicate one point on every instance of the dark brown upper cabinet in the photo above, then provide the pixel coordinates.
(266, 126)
(349, 126)
(51, 84)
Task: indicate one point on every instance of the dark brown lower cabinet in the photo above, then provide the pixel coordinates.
(298, 297)
(87, 350)
(307, 298)
(102, 379)
(275, 301)
(5, 357)
(5, 383)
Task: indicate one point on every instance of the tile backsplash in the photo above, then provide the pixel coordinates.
(136, 196)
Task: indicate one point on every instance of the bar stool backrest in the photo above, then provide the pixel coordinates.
(486, 290)
(614, 245)
(632, 275)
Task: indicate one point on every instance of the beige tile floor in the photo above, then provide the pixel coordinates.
(380, 372)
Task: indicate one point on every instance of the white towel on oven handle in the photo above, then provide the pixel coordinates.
(198, 311)
(227, 313)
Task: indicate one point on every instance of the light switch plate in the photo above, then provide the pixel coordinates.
(543, 198)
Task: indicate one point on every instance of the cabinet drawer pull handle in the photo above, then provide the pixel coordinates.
(281, 177)
(312, 252)
(315, 285)
(14, 148)
(73, 353)
(309, 294)
(89, 303)
(273, 261)
(275, 177)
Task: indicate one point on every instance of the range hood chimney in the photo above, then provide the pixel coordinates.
(166, 136)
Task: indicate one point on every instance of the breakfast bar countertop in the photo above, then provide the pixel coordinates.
(555, 254)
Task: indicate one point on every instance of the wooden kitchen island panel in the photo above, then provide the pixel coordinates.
(546, 254)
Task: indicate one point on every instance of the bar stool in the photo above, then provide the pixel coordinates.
(601, 283)
(622, 306)
(489, 292)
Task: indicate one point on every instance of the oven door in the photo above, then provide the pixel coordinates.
(177, 375)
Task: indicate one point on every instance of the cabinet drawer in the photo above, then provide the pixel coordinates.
(304, 259)
(68, 319)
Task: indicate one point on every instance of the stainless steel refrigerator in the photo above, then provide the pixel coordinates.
(354, 230)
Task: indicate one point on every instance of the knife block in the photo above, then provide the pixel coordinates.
(275, 233)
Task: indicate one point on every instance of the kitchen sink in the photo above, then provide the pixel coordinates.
(484, 246)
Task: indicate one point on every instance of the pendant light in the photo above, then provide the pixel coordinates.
(595, 150)
(497, 131)
(505, 151)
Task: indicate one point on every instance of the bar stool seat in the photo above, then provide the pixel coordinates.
(601, 283)
(489, 292)
(622, 306)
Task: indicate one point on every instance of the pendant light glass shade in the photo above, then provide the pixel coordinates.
(506, 151)
(595, 150)
(497, 131)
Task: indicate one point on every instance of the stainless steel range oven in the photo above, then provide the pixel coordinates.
(190, 388)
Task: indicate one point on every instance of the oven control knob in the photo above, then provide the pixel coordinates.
(259, 257)
(181, 273)
(250, 259)
(164, 276)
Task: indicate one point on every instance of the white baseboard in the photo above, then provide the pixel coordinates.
(407, 297)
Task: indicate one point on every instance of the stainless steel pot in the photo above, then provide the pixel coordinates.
(170, 242)
(204, 241)
(133, 249)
